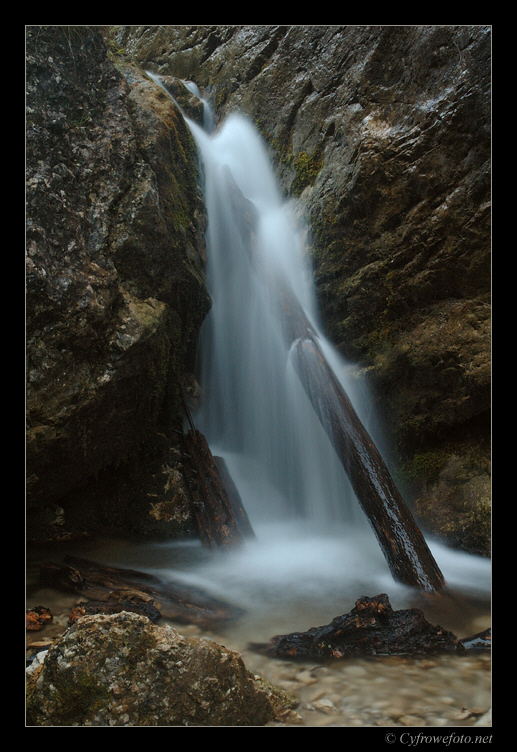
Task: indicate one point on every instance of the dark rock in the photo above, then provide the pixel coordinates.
(115, 281)
(480, 641)
(371, 628)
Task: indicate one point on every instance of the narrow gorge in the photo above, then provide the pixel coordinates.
(278, 237)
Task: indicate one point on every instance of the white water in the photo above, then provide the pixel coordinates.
(314, 545)
(254, 412)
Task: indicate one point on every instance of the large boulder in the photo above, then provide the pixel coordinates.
(115, 277)
(125, 671)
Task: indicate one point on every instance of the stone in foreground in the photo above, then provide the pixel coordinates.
(122, 670)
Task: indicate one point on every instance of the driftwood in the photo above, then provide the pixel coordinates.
(371, 628)
(401, 541)
(111, 585)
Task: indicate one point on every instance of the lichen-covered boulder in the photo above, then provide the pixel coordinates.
(123, 670)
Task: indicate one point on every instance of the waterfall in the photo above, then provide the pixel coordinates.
(314, 542)
(254, 412)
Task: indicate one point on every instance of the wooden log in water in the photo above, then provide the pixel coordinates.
(400, 538)
(178, 602)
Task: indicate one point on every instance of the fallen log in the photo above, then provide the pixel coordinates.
(400, 538)
(175, 601)
(371, 628)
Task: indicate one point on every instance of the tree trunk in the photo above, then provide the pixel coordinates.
(401, 541)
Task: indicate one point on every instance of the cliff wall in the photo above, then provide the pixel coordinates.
(382, 137)
(382, 134)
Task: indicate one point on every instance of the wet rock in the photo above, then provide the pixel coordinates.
(382, 136)
(371, 628)
(115, 284)
(124, 671)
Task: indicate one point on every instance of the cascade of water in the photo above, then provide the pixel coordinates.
(208, 116)
(254, 411)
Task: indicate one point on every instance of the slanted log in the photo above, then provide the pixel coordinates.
(400, 538)
(178, 602)
(371, 628)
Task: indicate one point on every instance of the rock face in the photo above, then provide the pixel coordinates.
(124, 671)
(382, 136)
(115, 281)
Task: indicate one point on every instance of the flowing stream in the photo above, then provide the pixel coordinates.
(314, 552)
